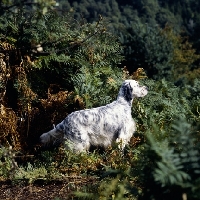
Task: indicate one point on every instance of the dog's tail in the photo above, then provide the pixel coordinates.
(52, 138)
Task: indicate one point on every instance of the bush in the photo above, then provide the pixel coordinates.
(54, 51)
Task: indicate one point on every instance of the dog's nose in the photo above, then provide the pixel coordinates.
(146, 88)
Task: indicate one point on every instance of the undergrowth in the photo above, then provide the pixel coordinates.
(161, 160)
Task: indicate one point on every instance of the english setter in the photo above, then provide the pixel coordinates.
(101, 126)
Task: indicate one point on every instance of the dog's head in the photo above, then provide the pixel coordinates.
(131, 89)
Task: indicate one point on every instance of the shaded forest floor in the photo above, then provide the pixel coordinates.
(54, 190)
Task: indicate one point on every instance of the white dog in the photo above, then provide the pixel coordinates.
(101, 126)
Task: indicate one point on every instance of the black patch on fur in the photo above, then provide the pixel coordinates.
(128, 92)
(60, 127)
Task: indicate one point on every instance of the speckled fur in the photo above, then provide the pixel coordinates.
(99, 126)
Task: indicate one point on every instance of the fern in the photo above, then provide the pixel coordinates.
(30, 174)
(172, 159)
(8, 164)
(162, 105)
(95, 85)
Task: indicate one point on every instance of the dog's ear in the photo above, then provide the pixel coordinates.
(128, 95)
